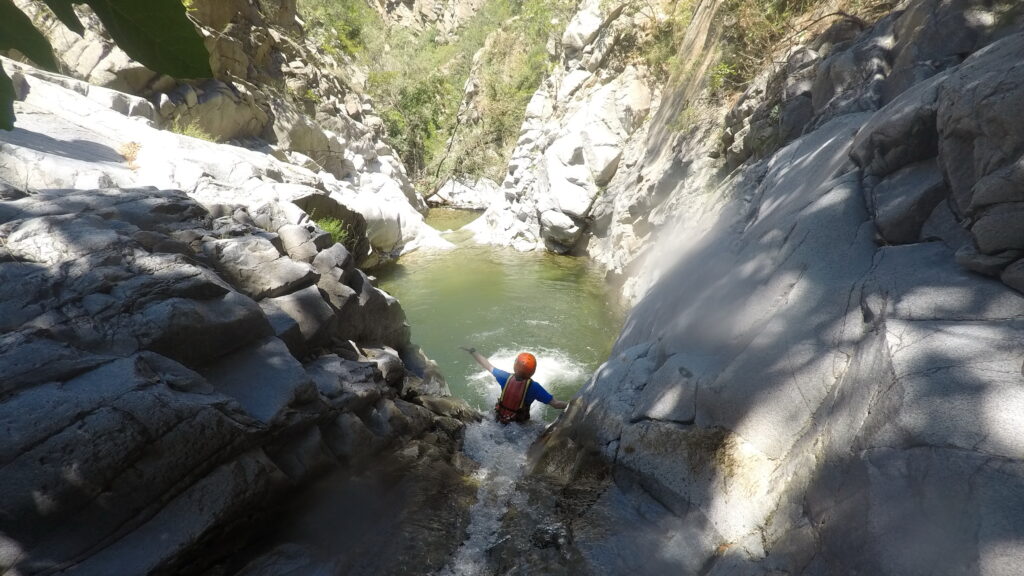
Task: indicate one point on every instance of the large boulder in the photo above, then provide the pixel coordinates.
(214, 108)
(901, 133)
(904, 201)
(314, 317)
(583, 27)
(477, 195)
(256, 266)
(154, 426)
(934, 35)
(981, 136)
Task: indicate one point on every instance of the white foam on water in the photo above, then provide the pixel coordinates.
(500, 450)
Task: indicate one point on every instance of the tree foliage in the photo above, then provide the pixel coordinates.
(417, 80)
(157, 33)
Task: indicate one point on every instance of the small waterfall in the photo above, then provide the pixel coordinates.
(500, 450)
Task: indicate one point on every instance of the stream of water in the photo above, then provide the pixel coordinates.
(502, 302)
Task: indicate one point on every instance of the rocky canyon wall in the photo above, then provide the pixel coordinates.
(822, 371)
(273, 91)
(182, 346)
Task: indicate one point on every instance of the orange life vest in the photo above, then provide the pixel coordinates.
(511, 406)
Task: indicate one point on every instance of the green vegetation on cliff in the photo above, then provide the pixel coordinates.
(418, 80)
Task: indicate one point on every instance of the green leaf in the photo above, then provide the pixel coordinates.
(64, 12)
(157, 33)
(18, 32)
(6, 101)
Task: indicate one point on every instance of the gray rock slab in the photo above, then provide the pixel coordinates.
(284, 326)
(186, 521)
(388, 362)
(921, 500)
(147, 208)
(264, 378)
(1003, 185)
(903, 132)
(1013, 276)
(924, 282)
(904, 200)
(981, 130)
(53, 239)
(290, 559)
(559, 228)
(346, 301)
(612, 394)
(297, 241)
(350, 439)
(255, 266)
(196, 332)
(337, 256)
(943, 225)
(634, 534)
(449, 407)
(300, 455)
(957, 385)
(849, 78)
(349, 385)
(372, 317)
(24, 291)
(671, 395)
(987, 264)
(26, 360)
(131, 432)
(314, 316)
(788, 362)
(419, 418)
(999, 228)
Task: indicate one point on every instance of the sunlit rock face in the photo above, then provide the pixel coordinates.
(822, 371)
(182, 347)
(573, 139)
(273, 91)
(443, 16)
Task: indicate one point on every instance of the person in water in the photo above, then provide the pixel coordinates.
(518, 391)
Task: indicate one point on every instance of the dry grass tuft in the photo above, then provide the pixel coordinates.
(130, 152)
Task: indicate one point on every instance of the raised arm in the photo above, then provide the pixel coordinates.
(479, 358)
(558, 404)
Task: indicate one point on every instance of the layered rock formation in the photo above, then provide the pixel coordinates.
(272, 92)
(443, 16)
(821, 374)
(577, 126)
(182, 347)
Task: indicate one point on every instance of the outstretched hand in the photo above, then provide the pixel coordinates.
(479, 358)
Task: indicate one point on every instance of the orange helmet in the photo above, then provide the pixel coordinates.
(526, 365)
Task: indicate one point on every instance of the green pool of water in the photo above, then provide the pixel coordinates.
(503, 302)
